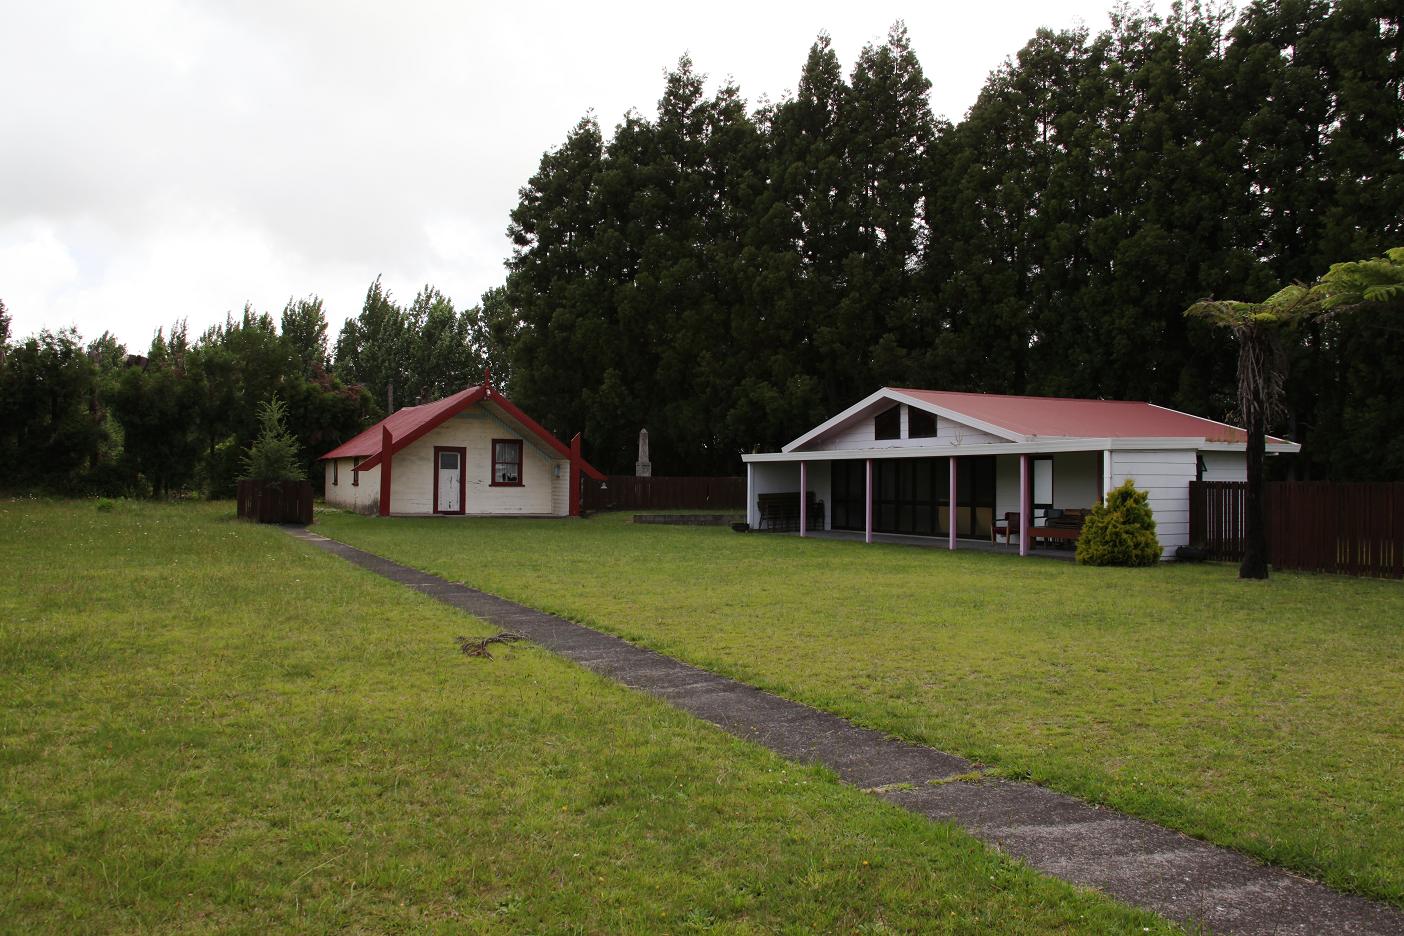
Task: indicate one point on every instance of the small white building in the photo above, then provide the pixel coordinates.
(473, 453)
(906, 461)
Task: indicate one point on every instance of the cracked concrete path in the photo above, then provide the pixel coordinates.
(1138, 862)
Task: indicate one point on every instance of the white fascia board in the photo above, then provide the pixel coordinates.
(1273, 448)
(825, 426)
(1035, 446)
(888, 393)
(945, 451)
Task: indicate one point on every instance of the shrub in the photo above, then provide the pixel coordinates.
(273, 455)
(1121, 531)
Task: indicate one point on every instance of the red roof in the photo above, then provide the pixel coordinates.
(410, 423)
(404, 421)
(1063, 417)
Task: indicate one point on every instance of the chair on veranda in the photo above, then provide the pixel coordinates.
(1007, 528)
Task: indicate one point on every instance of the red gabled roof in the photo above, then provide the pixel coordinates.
(1062, 417)
(403, 422)
(409, 424)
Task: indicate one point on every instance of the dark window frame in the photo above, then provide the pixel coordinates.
(913, 414)
(336, 471)
(356, 475)
(521, 453)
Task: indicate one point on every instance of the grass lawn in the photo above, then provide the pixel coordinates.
(209, 726)
(1267, 716)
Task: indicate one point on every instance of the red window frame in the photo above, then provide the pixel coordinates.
(356, 475)
(515, 443)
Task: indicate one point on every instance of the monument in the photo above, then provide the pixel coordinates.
(643, 468)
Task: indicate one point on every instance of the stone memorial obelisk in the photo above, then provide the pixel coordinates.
(643, 468)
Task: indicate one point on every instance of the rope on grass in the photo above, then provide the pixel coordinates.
(479, 647)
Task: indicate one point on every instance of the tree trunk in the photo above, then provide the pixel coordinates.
(1255, 550)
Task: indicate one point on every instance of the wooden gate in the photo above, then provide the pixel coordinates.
(275, 501)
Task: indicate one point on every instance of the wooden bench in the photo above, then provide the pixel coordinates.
(1065, 528)
(780, 511)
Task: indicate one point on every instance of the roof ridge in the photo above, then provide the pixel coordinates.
(1021, 396)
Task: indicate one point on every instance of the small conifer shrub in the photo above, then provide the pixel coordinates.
(1120, 531)
(273, 455)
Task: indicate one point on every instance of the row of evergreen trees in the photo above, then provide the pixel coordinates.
(728, 277)
(92, 418)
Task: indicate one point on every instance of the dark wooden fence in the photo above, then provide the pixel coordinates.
(626, 492)
(275, 501)
(1313, 526)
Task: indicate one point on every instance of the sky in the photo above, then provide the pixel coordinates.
(167, 160)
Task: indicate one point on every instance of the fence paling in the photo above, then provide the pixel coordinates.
(1355, 529)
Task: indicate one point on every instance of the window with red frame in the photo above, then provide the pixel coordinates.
(506, 462)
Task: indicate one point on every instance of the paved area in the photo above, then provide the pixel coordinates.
(1187, 880)
(940, 542)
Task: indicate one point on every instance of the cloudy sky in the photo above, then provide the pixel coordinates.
(166, 160)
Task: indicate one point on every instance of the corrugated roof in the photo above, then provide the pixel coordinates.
(1065, 417)
(401, 423)
(407, 425)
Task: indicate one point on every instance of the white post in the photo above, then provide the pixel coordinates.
(1025, 505)
(1106, 474)
(804, 498)
(868, 509)
(751, 510)
(951, 532)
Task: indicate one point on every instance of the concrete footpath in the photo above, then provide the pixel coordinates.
(1138, 862)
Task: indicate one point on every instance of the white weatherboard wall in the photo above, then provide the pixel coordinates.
(1165, 477)
(412, 473)
(1224, 466)
(363, 497)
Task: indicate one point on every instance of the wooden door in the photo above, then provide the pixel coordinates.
(448, 479)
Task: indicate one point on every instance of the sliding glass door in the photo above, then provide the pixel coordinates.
(912, 495)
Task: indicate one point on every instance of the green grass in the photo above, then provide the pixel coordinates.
(1267, 716)
(209, 726)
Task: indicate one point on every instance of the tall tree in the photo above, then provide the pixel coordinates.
(441, 355)
(304, 330)
(48, 434)
(373, 348)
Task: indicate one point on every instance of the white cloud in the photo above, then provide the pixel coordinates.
(167, 160)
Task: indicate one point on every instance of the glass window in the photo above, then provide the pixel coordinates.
(920, 424)
(507, 461)
(356, 475)
(448, 461)
(888, 424)
(1043, 482)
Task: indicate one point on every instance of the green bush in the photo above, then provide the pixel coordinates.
(273, 455)
(1121, 531)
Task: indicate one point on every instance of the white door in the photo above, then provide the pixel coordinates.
(450, 473)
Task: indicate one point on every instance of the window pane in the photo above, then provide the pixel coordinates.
(920, 424)
(888, 424)
(448, 461)
(1043, 481)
